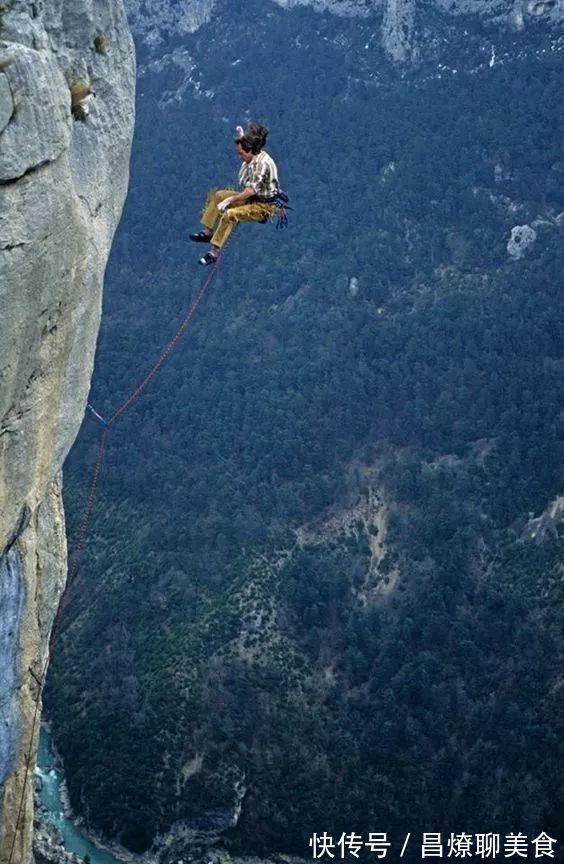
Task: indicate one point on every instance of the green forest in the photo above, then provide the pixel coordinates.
(219, 643)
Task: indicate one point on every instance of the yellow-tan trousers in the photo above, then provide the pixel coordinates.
(258, 211)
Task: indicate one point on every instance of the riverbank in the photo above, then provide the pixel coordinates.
(55, 830)
(48, 843)
(61, 839)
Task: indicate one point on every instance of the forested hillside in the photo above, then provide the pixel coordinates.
(311, 583)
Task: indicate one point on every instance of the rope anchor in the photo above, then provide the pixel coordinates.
(98, 416)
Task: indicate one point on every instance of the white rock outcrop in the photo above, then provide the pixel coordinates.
(63, 180)
(398, 29)
(522, 239)
(154, 21)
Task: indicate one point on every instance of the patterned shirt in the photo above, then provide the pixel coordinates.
(260, 174)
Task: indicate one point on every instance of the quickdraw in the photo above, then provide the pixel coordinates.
(280, 201)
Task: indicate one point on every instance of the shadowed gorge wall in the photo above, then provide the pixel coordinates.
(63, 180)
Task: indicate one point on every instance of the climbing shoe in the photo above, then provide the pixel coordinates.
(208, 259)
(201, 237)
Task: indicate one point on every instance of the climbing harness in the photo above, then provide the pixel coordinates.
(85, 520)
(280, 201)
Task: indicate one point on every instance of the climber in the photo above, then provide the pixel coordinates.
(260, 196)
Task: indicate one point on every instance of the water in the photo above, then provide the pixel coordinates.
(51, 801)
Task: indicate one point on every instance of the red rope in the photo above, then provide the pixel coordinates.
(134, 395)
(87, 513)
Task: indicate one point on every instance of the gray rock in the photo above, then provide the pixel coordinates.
(344, 8)
(164, 17)
(160, 19)
(42, 104)
(353, 286)
(6, 102)
(398, 29)
(62, 187)
(521, 241)
(48, 845)
(12, 591)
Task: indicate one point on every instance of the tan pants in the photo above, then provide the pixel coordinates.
(256, 212)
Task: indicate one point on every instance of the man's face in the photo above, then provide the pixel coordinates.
(242, 154)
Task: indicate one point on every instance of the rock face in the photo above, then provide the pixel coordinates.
(63, 180)
(398, 18)
(398, 29)
(163, 17)
(522, 239)
(48, 843)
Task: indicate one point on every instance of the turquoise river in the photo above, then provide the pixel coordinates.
(51, 800)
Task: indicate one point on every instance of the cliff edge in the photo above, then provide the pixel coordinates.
(67, 81)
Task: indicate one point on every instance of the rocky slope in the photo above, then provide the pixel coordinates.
(401, 32)
(66, 116)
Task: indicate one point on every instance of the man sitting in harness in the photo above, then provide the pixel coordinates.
(257, 201)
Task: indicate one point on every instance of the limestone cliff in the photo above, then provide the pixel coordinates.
(400, 36)
(66, 114)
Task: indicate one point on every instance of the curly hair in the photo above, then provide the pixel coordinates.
(254, 138)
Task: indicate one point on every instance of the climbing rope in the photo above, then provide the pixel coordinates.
(85, 520)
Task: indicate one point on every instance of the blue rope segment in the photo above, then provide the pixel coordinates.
(98, 416)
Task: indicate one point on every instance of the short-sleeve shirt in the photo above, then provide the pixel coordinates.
(261, 175)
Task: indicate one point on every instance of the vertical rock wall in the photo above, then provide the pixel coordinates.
(64, 160)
